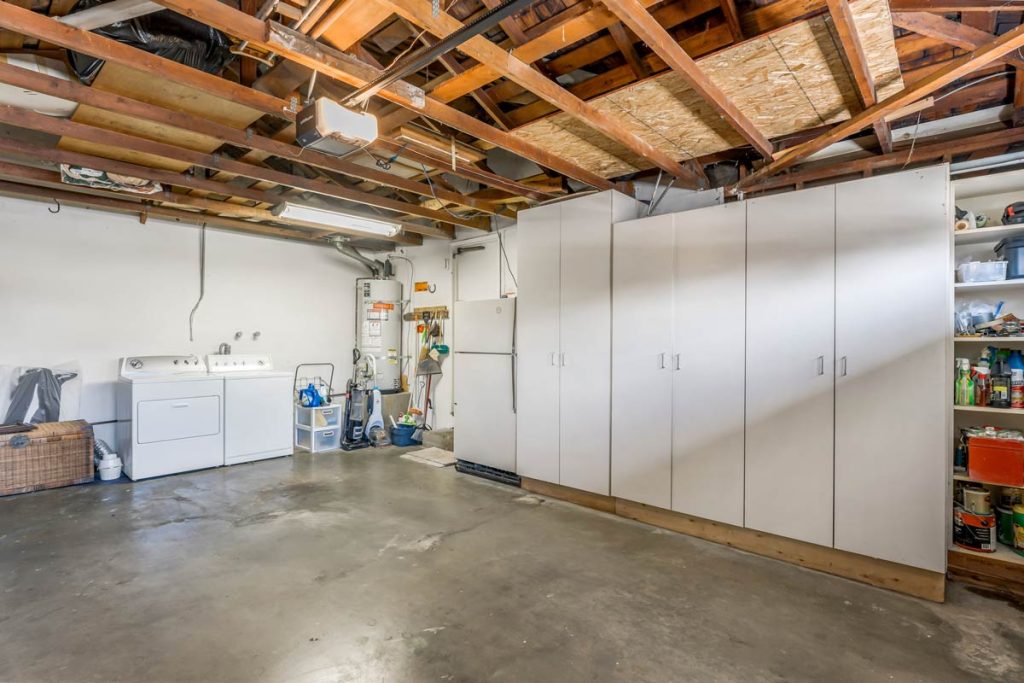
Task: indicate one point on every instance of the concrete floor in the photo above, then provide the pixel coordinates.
(367, 567)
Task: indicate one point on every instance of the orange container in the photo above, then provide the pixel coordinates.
(996, 461)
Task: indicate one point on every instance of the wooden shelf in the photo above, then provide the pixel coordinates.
(999, 284)
(990, 341)
(990, 234)
(959, 476)
(1002, 554)
(988, 409)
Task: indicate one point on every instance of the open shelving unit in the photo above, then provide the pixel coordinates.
(1002, 570)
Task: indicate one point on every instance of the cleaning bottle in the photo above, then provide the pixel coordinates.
(964, 384)
(1016, 388)
(982, 383)
(999, 395)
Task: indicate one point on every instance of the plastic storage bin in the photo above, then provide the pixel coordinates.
(317, 440)
(319, 417)
(1012, 250)
(996, 461)
(981, 271)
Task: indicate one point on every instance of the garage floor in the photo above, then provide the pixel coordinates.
(367, 567)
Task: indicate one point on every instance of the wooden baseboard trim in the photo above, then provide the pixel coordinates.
(988, 573)
(881, 573)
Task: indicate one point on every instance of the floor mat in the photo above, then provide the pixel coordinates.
(437, 457)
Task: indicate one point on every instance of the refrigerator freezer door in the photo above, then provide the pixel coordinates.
(485, 425)
(484, 326)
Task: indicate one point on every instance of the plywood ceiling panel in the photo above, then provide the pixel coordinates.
(787, 81)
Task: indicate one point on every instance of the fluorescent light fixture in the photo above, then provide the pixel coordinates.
(336, 219)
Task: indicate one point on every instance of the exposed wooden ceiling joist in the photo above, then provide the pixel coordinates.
(944, 6)
(419, 12)
(952, 32)
(633, 14)
(953, 70)
(334, 64)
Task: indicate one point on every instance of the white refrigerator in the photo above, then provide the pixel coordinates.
(485, 382)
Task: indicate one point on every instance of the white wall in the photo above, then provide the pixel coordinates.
(92, 286)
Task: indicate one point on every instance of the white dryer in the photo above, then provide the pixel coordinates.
(170, 416)
(258, 407)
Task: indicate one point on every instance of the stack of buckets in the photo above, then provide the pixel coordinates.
(976, 526)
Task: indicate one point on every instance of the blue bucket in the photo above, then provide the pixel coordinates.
(401, 435)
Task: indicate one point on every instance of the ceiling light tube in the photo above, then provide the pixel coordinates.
(336, 219)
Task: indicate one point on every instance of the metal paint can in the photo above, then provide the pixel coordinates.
(977, 501)
(978, 532)
(1004, 525)
(1018, 529)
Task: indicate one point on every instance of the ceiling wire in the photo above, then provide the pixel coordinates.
(202, 280)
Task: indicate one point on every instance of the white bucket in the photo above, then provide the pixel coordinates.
(109, 467)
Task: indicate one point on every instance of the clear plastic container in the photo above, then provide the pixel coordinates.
(317, 440)
(319, 417)
(981, 271)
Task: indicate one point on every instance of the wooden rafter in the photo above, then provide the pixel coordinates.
(950, 72)
(732, 19)
(944, 6)
(857, 64)
(633, 14)
(952, 32)
(419, 12)
(624, 41)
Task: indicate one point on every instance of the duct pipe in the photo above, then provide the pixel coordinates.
(344, 248)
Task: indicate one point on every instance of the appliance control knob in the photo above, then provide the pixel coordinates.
(176, 361)
(135, 363)
(260, 362)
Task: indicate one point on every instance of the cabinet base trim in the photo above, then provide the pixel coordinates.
(900, 578)
(991, 574)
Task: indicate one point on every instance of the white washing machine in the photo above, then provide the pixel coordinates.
(170, 416)
(258, 407)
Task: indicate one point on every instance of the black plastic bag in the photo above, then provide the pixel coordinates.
(165, 34)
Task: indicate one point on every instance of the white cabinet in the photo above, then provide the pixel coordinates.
(563, 342)
(642, 276)
(790, 350)
(708, 400)
(537, 342)
(892, 412)
(677, 361)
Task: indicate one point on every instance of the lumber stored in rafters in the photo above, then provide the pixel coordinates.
(419, 12)
(948, 31)
(857, 64)
(633, 14)
(953, 70)
(330, 62)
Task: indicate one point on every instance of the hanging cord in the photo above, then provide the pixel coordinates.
(433, 194)
(501, 245)
(202, 279)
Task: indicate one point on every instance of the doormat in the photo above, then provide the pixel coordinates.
(435, 457)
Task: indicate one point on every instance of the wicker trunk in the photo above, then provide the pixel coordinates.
(54, 454)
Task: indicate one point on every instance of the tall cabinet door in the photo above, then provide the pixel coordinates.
(537, 343)
(893, 279)
(708, 396)
(641, 361)
(585, 411)
(790, 352)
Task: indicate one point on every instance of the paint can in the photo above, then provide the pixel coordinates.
(977, 501)
(1004, 525)
(1018, 529)
(978, 532)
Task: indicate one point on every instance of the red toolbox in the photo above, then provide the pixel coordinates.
(996, 461)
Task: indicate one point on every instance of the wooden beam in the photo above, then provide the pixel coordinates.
(99, 16)
(857, 64)
(633, 14)
(624, 41)
(952, 32)
(52, 31)
(953, 70)
(478, 47)
(510, 25)
(347, 69)
(69, 90)
(1018, 97)
(24, 118)
(349, 21)
(732, 19)
(945, 6)
(36, 153)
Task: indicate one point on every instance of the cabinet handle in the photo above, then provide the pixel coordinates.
(842, 366)
(563, 359)
(179, 405)
(821, 365)
(552, 359)
(676, 357)
(661, 361)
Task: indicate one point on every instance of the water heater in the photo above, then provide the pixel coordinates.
(379, 328)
